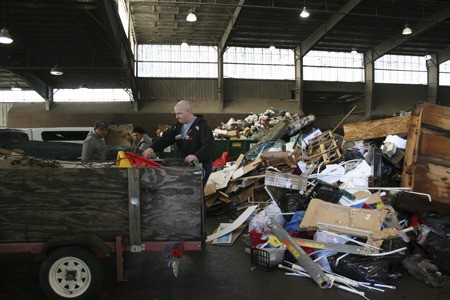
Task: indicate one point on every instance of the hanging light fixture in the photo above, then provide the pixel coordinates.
(354, 52)
(16, 88)
(272, 47)
(304, 13)
(5, 38)
(82, 87)
(184, 45)
(406, 30)
(56, 70)
(191, 17)
(427, 56)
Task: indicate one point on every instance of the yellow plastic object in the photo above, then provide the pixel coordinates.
(122, 160)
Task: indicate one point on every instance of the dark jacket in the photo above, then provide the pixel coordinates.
(199, 140)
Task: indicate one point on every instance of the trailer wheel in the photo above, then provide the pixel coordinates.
(71, 273)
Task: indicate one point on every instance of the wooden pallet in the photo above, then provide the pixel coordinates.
(324, 147)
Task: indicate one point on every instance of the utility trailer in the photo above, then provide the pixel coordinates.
(70, 217)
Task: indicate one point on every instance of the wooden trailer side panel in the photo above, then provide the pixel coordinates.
(36, 205)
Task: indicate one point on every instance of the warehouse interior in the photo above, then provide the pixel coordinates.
(95, 44)
(87, 40)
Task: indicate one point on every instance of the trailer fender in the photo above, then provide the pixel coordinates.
(90, 242)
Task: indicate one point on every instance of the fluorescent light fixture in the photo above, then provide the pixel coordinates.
(56, 70)
(354, 52)
(406, 30)
(304, 13)
(272, 47)
(191, 17)
(5, 38)
(16, 88)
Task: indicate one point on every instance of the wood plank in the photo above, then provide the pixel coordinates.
(376, 128)
(436, 115)
(411, 149)
(433, 180)
(435, 144)
(134, 207)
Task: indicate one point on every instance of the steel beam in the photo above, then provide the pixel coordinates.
(114, 30)
(320, 32)
(397, 40)
(433, 78)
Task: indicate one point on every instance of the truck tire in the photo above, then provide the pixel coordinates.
(71, 273)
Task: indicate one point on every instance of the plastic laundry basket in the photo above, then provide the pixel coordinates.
(267, 258)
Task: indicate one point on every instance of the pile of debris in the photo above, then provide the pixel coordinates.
(348, 211)
(254, 126)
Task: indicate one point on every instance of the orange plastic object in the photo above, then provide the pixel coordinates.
(140, 162)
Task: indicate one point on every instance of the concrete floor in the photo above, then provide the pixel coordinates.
(216, 272)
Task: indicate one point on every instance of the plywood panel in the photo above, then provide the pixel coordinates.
(436, 115)
(376, 128)
(36, 205)
(433, 180)
(435, 144)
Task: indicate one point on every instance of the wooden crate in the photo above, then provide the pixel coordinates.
(426, 166)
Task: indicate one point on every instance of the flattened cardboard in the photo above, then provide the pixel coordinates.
(346, 220)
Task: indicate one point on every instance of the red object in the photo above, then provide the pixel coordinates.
(141, 162)
(221, 161)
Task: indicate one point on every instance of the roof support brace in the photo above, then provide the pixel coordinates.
(327, 26)
(116, 34)
(397, 40)
(42, 88)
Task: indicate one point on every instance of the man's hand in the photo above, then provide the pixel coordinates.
(190, 158)
(149, 153)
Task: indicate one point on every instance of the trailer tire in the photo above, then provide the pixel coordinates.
(71, 273)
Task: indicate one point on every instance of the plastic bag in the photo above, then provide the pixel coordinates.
(422, 269)
(325, 237)
(378, 269)
(258, 227)
(292, 202)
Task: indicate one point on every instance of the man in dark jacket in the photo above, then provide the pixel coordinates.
(192, 135)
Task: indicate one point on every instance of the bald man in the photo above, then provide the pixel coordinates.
(192, 135)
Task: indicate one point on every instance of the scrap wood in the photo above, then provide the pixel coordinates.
(285, 180)
(238, 222)
(246, 169)
(234, 235)
(436, 115)
(343, 120)
(376, 128)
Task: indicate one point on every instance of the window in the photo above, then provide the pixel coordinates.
(176, 61)
(403, 69)
(259, 63)
(22, 96)
(333, 66)
(444, 73)
(91, 95)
